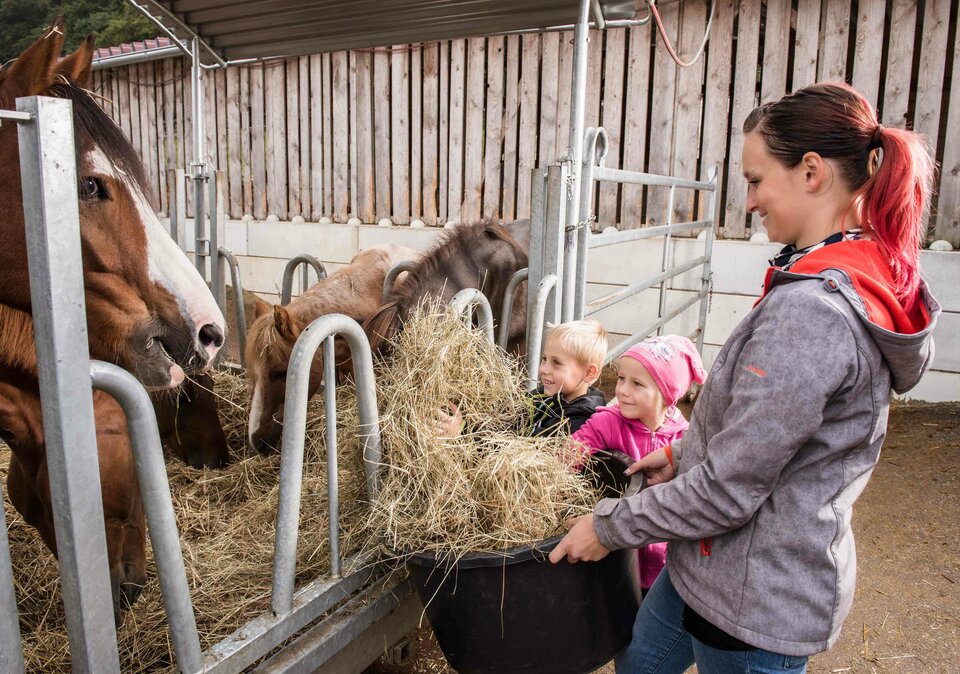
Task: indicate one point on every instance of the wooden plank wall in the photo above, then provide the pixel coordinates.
(450, 130)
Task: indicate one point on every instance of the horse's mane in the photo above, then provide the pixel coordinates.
(94, 127)
(262, 337)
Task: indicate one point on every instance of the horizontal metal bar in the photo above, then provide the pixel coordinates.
(323, 641)
(604, 174)
(131, 58)
(637, 336)
(16, 116)
(265, 632)
(610, 299)
(625, 236)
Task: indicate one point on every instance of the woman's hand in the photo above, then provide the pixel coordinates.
(656, 466)
(580, 544)
(448, 421)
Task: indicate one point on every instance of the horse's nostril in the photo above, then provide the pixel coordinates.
(211, 334)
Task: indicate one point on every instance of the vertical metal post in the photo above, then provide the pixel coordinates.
(52, 223)
(705, 281)
(665, 261)
(506, 305)
(11, 650)
(202, 250)
(240, 311)
(330, 420)
(594, 152)
(215, 190)
(575, 149)
(158, 507)
(553, 239)
(547, 286)
(176, 189)
(538, 226)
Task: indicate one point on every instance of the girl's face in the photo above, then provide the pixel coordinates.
(560, 372)
(638, 394)
(775, 192)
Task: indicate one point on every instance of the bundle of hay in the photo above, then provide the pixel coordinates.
(486, 489)
(226, 520)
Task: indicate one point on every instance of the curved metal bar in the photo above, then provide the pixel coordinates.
(286, 288)
(294, 432)
(506, 307)
(395, 271)
(239, 311)
(535, 328)
(158, 506)
(11, 649)
(468, 299)
(330, 438)
(595, 147)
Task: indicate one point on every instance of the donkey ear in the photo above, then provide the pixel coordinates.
(261, 308)
(35, 68)
(77, 65)
(285, 323)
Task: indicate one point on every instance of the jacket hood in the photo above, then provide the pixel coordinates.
(859, 272)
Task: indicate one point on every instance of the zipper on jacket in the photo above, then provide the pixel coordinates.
(706, 546)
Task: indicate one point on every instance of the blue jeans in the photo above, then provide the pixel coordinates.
(660, 645)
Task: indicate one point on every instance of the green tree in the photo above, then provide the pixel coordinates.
(113, 22)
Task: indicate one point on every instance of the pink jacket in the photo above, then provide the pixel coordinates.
(608, 429)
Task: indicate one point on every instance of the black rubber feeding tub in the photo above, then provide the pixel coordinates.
(500, 613)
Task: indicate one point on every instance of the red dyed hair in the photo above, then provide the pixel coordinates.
(837, 122)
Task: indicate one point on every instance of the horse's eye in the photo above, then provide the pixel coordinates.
(93, 189)
(279, 375)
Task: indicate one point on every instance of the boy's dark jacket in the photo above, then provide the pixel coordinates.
(551, 415)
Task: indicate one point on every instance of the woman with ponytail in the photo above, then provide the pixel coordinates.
(756, 499)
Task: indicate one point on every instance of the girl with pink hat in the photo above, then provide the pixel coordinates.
(653, 375)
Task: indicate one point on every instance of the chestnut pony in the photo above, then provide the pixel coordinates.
(148, 310)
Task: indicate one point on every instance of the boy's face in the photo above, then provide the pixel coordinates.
(561, 373)
(638, 394)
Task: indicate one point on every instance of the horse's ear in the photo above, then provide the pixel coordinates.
(34, 69)
(261, 308)
(285, 323)
(77, 65)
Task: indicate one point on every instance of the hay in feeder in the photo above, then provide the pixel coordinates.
(489, 488)
(226, 520)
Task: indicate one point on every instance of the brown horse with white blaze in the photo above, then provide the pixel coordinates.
(354, 290)
(148, 310)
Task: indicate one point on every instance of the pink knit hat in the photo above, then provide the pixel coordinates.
(672, 361)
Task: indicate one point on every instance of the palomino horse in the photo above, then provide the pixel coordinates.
(483, 255)
(354, 291)
(148, 309)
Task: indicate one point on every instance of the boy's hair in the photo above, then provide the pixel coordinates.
(585, 340)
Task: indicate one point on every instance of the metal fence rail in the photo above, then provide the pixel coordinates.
(595, 151)
(306, 261)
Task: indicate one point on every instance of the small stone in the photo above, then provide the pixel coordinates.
(297, 219)
(417, 223)
(702, 236)
(273, 218)
(760, 237)
(941, 245)
(325, 220)
(385, 222)
(161, 214)
(247, 217)
(610, 230)
(354, 221)
(450, 224)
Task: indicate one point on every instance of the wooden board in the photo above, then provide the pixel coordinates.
(529, 118)
(948, 206)
(444, 132)
(292, 174)
(416, 132)
(806, 44)
(246, 151)
(896, 90)
(373, 136)
(234, 165)
(835, 34)
(689, 107)
(716, 102)
(430, 181)
(341, 137)
(773, 83)
(304, 112)
(549, 149)
(511, 125)
(473, 138)
(328, 135)
(458, 54)
(276, 137)
(258, 146)
(318, 137)
(400, 133)
(493, 145)
(662, 115)
(608, 210)
(867, 56)
(635, 123)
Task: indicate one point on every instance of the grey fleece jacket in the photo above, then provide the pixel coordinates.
(782, 441)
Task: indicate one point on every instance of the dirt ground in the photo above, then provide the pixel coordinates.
(906, 613)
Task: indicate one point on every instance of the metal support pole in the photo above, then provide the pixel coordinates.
(535, 328)
(707, 278)
(158, 507)
(286, 285)
(330, 421)
(391, 277)
(11, 649)
(202, 250)
(294, 432)
(665, 260)
(52, 224)
(595, 148)
(215, 190)
(468, 299)
(506, 307)
(177, 197)
(239, 310)
(575, 149)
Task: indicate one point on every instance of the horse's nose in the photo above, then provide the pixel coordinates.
(211, 335)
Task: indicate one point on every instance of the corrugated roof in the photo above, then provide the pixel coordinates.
(243, 29)
(132, 48)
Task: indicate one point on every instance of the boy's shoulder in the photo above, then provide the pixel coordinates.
(591, 400)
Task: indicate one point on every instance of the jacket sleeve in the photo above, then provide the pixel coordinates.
(590, 435)
(800, 353)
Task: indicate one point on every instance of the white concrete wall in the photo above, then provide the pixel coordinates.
(738, 270)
